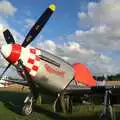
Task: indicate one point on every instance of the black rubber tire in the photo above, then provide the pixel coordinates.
(27, 109)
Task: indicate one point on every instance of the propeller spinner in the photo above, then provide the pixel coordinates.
(11, 52)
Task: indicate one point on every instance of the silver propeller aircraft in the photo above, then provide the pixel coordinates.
(48, 74)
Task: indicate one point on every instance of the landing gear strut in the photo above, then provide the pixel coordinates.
(107, 113)
(63, 103)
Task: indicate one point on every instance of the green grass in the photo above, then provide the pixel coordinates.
(11, 103)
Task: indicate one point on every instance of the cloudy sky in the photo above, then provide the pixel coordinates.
(85, 31)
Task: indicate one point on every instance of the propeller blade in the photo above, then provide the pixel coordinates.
(37, 27)
(8, 37)
(6, 69)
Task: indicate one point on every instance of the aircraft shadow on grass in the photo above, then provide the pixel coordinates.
(12, 100)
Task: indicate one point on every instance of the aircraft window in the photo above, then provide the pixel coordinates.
(49, 60)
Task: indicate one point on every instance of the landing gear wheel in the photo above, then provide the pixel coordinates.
(27, 109)
(28, 104)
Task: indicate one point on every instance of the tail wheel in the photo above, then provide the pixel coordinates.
(27, 109)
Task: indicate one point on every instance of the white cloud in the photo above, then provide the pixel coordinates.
(73, 52)
(103, 34)
(48, 45)
(82, 15)
(29, 23)
(3, 26)
(7, 8)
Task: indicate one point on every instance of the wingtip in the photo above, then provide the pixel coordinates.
(52, 7)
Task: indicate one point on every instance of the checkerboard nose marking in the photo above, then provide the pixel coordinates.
(33, 61)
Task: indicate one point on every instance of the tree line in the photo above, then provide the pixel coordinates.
(108, 77)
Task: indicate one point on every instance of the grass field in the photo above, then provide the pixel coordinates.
(12, 100)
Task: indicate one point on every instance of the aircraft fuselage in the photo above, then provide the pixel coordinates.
(47, 70)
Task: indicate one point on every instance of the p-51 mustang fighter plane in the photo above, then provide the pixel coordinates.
(43, 72)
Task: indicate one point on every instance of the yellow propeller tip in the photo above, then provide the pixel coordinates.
(52, 7)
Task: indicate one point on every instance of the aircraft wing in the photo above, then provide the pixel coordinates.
(78, 90)
(100, 89)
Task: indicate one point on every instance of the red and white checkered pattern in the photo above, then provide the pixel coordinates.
(32, 64)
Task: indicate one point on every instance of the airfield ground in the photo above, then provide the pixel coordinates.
(11, 100)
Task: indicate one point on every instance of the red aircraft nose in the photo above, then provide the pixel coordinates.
(11, 52)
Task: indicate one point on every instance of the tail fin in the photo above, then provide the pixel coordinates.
(83, 75)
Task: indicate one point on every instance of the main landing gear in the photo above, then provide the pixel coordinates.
(63, 103)
(107, 113)
(28, 102)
